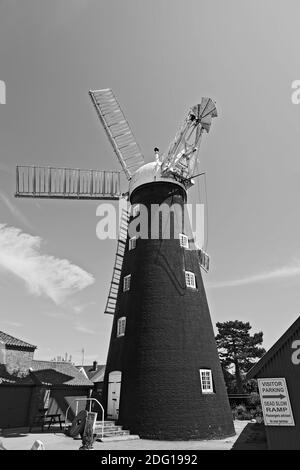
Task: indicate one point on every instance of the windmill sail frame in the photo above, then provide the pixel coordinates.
(182, 155)
(117, 130)
(67, 183)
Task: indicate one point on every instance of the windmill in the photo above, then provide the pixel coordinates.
(163, 379)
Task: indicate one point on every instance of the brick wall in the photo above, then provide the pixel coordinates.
(18, 361)
(169, 337)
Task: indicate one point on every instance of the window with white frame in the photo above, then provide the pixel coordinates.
(132, 243)
(183, 240)
(206, 381)
(126, 283)
(190, 279)
(121, 327)
(135, 210)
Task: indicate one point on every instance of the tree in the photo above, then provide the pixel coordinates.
(238, 348)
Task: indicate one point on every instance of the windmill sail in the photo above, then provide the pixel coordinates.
(67, 183)
(117, 130)
(181, 157)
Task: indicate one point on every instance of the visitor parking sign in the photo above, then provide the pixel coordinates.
(275, 402)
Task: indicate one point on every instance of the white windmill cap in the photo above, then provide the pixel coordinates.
(150, 173)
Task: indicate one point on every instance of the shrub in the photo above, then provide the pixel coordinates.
(254, 399)
(248, 412)
(240, 412)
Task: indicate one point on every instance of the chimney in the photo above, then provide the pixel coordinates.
(95, 364)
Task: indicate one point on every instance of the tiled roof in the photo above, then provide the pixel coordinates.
(3, 380)
(293, 330)
(8, 377)
(5, 377)
(58, 373)
(9, 340)
(94, 375)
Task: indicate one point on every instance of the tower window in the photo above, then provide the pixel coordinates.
(183, 240)
(121, 327)
(126, 283)
(206, 381)
(132, 243)
(190, 279)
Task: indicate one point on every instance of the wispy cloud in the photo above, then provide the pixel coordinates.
(15, 324)
(284, 272)
(81, 307)
(14, 210)
(84, 329)
(55, 314)
(20, 254)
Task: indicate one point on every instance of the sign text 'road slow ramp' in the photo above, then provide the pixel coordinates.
(275, 402)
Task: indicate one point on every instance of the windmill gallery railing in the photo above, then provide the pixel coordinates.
(67, 183)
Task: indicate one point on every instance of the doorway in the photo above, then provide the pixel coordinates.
(113, 396)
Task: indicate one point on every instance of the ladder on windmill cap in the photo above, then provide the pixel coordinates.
(116, 277)
(67, 183)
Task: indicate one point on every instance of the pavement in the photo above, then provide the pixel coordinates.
(21, 439)
(253, 437)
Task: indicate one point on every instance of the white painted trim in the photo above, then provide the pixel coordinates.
(190, 279)
(206, 381)
(121, 327)
(184, 240)
(126, 283)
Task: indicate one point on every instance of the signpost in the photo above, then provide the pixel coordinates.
(275, 402)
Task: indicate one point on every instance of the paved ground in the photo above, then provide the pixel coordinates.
(252, 438)
(20, 439)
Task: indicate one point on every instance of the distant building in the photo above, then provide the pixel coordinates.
(283, 361)
(15, 358)
(28, 385)
(95, 373)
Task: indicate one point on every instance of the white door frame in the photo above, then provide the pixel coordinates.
(113, 394)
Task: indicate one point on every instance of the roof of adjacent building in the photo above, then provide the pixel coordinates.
(11, 341)
(92, 373)
(291, 333)
(52, 373)
(59, 373)
(6, 377)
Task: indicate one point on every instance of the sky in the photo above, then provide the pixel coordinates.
(159, 57)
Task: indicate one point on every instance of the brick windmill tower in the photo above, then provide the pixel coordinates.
(163, 377)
